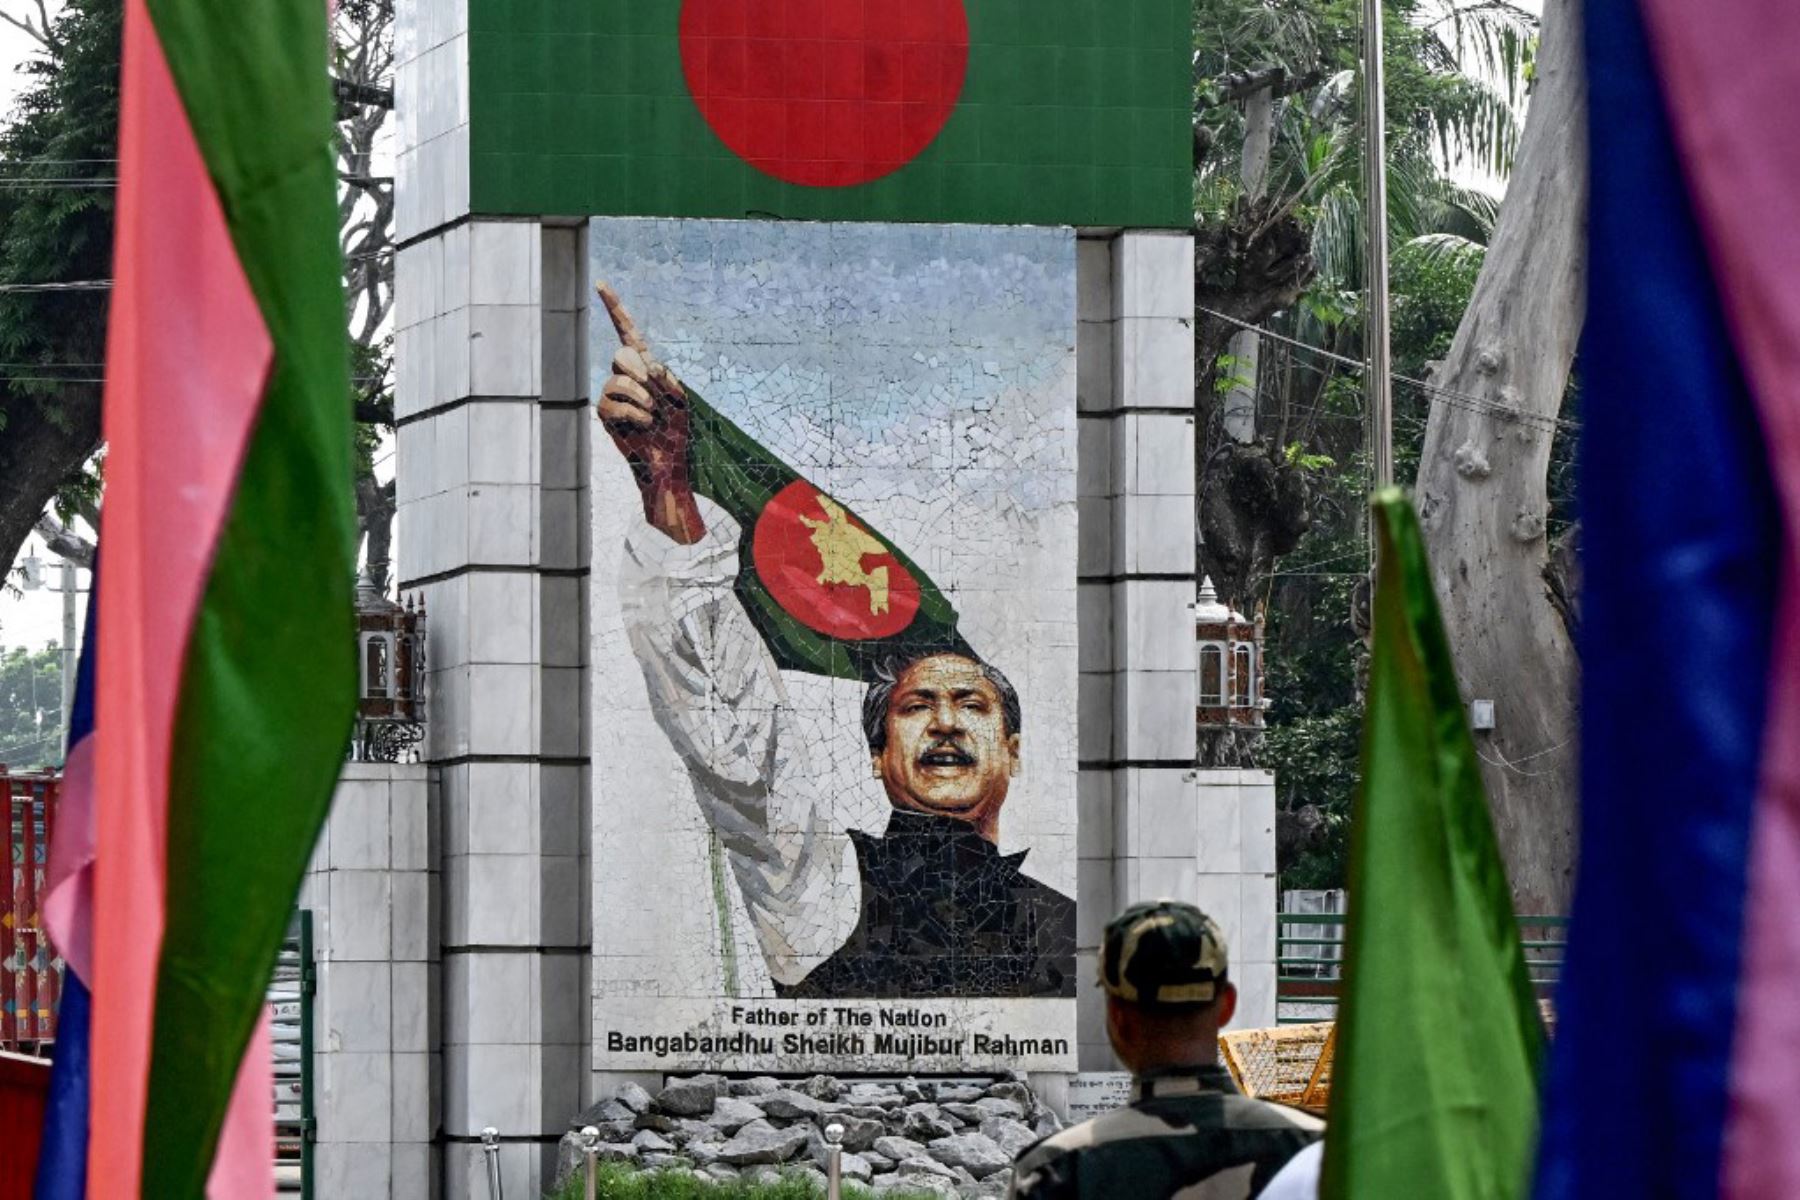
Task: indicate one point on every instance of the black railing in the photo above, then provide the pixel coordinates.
(1309, 955)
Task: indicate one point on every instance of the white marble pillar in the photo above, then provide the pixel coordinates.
(377, 1072)
(1150, 825)
(491, 465)
(492, 532)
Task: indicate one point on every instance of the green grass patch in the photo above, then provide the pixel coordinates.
(618, 1181)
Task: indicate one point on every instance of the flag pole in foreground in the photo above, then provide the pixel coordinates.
(226, 671)
(1434, 1088)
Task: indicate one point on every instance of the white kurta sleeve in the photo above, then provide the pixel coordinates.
(719, 697)
(1299, 1180)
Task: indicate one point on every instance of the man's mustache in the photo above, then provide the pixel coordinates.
(947, 752)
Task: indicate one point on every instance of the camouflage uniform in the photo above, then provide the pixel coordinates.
(1187, 1133)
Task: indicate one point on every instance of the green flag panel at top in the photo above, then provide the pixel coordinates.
(1033, 112)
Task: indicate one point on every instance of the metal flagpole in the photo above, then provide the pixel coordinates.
(1377, 379)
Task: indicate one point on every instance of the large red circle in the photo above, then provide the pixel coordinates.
(857, 591)
(825, 93)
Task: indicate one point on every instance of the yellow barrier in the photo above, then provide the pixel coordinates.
(1290, 1064)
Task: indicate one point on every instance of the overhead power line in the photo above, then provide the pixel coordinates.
(1539, 421)
(72, 285)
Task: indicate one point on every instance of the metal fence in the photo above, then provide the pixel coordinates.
(30, 971)
(291, 992)
(1309, 960)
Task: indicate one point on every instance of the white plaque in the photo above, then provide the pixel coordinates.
(1094, 1092)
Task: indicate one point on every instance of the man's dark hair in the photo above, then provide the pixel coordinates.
(887, 676)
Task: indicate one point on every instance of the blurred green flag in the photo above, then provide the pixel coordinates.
(1435, 1085)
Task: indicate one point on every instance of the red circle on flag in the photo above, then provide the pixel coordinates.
(825, 93)
(827, 570)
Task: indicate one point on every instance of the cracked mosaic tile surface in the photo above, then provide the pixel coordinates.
(833, 621)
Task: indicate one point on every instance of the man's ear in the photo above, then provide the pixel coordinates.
(1227, 1003)
(1012, 754)
(1118, 1020)
(875, 765)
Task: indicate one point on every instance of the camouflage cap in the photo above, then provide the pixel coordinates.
(1163, 952)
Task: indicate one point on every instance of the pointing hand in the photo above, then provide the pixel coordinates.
(645, 409)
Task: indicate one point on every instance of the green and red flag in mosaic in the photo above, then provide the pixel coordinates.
(826, 590)
(1049, 112)
(226, 660)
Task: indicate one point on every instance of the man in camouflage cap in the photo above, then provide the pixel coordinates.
(1187, 1132)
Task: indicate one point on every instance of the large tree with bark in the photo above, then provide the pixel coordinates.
(57, 176)
(364, 64)
(56, 210)
(1482, 482)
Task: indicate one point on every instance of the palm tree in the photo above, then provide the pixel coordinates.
(1459, 72)
(1459, 68)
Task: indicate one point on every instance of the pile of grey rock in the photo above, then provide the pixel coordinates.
(938, 1138)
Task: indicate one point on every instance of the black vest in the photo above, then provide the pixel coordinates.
(944, 913)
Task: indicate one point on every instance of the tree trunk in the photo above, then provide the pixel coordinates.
(1482, 480)
(1251, 507)
(1259, 137)
(62, 541)
(38, 454)
(375, 505)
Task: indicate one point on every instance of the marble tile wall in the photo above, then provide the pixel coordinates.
(377, 1078)
(491, 453)
(1150, 824)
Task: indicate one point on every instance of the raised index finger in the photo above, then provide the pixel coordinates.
(621, 319)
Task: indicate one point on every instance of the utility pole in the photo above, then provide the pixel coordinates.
(69, 585)
(69, 653)
(1377, 379)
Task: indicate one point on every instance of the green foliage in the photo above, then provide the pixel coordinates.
(1230, 374)
(371, 396)
(1430, 292)
(56, 220)
(31, 707)
(1315, 720)
(1457, 76)
(1456, 71)
(57, 147)
(1318, 756)
(617, 1181)
(1312, 653)
(1295, 455)
(1431, 280)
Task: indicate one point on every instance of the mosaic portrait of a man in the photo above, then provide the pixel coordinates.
(746, 577)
